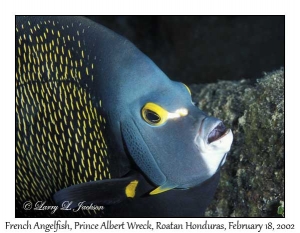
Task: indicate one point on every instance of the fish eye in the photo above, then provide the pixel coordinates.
(154, 115)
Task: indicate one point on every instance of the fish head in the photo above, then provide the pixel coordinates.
(188, 145)
(172, 142)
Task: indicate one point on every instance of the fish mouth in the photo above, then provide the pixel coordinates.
(213, 142)
(213, 135)
(217, 132)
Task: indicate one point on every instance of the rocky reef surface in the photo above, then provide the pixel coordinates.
(252, 179)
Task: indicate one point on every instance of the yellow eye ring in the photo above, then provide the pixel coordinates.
(154, 115)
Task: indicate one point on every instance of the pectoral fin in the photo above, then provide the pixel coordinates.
(163, 188)
(101, 192)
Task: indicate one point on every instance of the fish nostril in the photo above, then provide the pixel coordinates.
(217, 132)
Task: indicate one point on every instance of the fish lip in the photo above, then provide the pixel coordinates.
(218, 126)
(204, 131)
(211, 129)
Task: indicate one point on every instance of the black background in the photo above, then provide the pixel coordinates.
(204, 49)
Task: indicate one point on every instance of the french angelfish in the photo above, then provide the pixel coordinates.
(97, 122)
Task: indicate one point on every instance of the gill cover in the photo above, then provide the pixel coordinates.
(140, 153)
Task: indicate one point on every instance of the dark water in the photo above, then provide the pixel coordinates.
(203, 49)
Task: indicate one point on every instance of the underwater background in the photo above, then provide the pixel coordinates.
(204, 49)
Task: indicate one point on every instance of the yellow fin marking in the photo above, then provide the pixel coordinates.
(159, 190)
(130, 188)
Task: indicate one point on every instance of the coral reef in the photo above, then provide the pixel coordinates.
(252, 179)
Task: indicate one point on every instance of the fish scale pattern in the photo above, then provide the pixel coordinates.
(60, 132)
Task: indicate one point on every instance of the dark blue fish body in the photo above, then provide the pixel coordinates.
(98, 122)
(174, 203)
